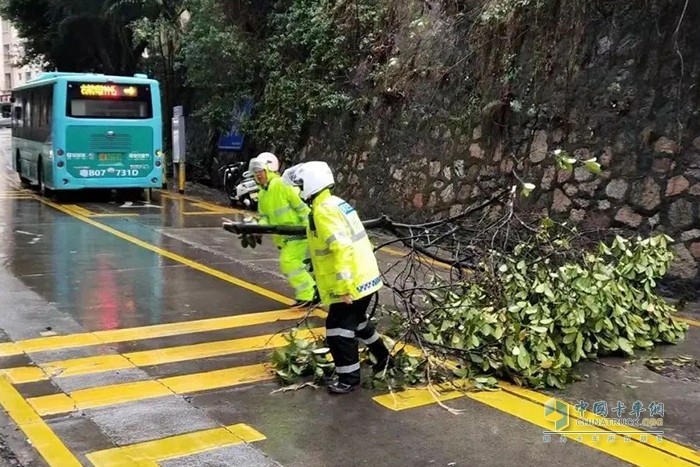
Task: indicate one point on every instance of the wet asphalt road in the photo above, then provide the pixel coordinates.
(135, 333)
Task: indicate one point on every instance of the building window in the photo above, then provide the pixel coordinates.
(28, 75)
(8, 81)
(6, 52)
(19, 77)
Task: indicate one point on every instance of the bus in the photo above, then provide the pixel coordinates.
(73, 131)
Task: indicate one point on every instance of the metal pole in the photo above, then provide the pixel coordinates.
(181, 180)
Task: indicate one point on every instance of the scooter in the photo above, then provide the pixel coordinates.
(239, 185)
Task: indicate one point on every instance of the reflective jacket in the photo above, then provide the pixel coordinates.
(280, 204)
(341, 252)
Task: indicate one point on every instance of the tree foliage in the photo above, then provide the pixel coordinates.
(78, 35)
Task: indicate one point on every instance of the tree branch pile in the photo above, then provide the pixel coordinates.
(491, 293)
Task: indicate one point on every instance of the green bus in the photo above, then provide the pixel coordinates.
(73, 131)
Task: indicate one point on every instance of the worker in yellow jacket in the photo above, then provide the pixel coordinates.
(346, 273)
(279, 204)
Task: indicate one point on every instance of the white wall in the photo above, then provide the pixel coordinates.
(11, 54)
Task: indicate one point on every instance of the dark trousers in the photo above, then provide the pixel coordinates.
(344, 325)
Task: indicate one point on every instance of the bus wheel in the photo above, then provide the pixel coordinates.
(45, 192)
(25, 182)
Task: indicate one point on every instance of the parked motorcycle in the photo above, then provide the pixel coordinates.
(239, 186)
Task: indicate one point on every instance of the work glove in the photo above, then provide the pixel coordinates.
(250, 240)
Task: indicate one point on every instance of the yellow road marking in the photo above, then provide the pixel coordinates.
(103, 363)
(637, 453)
(692, 322)
(173, 256)
(151, 453)
(81, 211)
(129, 392)
(529, 406)
(416, 397)
(113, 336)
(75, 209)
(668, 446)
(8, 349)
(54, 452)
(195, 201)
(129, 214)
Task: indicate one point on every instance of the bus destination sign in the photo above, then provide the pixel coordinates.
(108, 90)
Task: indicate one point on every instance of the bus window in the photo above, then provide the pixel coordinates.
(93, 100)
(17, 119)
(35, 109)
(27, 110)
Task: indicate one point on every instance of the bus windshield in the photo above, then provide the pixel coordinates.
(97, 100)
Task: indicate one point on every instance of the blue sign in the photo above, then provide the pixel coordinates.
(233, 140)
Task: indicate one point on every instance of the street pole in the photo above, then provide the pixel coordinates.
(179, 147)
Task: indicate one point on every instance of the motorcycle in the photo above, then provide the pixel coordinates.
(239, 185)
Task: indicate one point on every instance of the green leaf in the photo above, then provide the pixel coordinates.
(523, 359)
(569, 338)
(625, 345)
(599, 325)
(498, 332)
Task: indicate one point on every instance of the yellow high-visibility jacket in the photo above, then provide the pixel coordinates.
(341, 252)
(280, 204)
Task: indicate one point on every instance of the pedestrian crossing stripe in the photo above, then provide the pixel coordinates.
(151, 453)
(102, 396)
(113, 336)
(103, 363)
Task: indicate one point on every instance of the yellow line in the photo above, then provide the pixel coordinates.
(692, 322)
(8, 349)
(417, 397)
(668, 446)
(81, 211)
(529, 406)
(103, 363)
(151, 453)
(116, 215)
(173, 256)
(128, 392)
(637, 453)
(112, 336)
(75, 209)
(38, 433)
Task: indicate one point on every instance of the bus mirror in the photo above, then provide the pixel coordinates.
(12, 100)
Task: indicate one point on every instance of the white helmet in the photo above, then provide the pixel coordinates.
(313, 177)
(264, 160)
(270, 161)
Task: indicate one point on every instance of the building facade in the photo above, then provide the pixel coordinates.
(12, 74)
